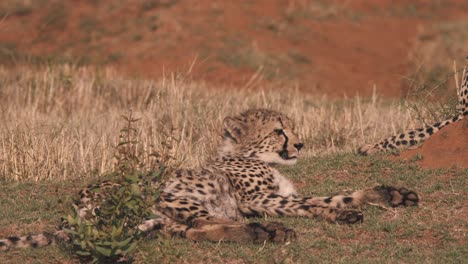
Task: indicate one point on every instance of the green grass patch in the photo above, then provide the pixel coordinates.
(434, 232)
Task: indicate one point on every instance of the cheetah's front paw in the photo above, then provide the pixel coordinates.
(398, 196)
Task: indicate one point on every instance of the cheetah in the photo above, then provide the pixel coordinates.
(413, 137)
(242, 181)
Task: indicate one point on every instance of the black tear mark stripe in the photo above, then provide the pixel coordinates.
(285, 145)
(286, 139)
(14, 240)
(281, 121)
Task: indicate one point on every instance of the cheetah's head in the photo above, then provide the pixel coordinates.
(263, 134)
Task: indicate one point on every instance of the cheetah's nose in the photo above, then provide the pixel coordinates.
(298, 146)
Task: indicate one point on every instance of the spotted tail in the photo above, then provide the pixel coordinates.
(33, 241)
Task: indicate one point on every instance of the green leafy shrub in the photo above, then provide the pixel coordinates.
(109, 232)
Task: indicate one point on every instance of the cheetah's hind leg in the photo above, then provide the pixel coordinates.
(240, 232)
(214, 229)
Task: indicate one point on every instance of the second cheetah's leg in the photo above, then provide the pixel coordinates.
(414, 136)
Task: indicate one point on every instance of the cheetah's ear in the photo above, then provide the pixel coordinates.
(234, 128)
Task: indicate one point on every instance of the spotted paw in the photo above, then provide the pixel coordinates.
(272, 231)
(349, 216)
(398, 196)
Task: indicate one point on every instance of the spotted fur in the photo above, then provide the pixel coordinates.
(210, 203)
(416, 136)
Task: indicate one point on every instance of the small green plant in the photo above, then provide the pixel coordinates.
(109, 232)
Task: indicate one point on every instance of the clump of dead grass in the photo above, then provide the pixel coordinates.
(62, 122)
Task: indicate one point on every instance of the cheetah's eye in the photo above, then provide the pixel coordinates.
(278, 131)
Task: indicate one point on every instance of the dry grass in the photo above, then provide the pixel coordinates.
(61, 122)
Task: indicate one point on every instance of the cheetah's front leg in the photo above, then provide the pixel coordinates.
(277, 205)
(333, 208)
(384, 195)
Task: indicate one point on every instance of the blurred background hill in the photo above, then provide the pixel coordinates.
(337, 48)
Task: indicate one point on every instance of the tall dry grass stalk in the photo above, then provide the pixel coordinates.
(63, 122)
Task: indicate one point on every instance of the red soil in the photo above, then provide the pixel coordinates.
(445, 149)
(334, 47)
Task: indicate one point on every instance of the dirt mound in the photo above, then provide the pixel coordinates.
(447, 148)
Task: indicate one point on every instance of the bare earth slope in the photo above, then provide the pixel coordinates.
(447, 148)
